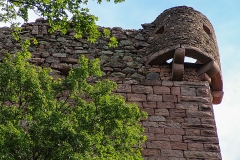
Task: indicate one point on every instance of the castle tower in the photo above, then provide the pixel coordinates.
(181, 123)
(177, 96)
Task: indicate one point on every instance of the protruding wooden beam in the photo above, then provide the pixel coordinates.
(178, 64)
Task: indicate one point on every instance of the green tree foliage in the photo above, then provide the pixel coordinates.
(57, 12)
(46, 118)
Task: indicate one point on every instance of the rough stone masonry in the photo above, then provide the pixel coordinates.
(177, 96)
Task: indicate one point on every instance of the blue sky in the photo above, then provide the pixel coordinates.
(225, 17)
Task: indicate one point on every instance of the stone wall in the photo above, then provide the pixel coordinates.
(181, 122)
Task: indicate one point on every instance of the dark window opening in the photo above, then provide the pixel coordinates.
(206, 29)
(161, 30)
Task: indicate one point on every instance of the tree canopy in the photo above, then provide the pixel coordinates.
(61, 14)
(46, 118)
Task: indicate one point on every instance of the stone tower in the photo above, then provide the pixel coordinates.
(177, 96)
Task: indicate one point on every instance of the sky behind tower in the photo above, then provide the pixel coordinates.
(225, 18)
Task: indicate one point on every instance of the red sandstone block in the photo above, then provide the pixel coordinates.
(116, 79)
(174, 119)
(177, 113)
(170, 138)
(174, 131)
(200, 139)
(161, 90)
(150, 136)
(187, 106)
(179, 146)
(208, 120)
(169, 125)
(150, 152)
(205, 107)
(142, 89)
(211, 147)
(131, 81)
(136, 97)
(188, 91)
(124, 88)
(165, 105)
(192, 132)
(203, 92)
(170, 98)
(155, 130)
(149, 104)
(156, 118)
(171, 153)
(195, 99)
(199, 114)
(193, 120)
(152, 82)
(159, 145)
(154, 98)
(149, 111)
(167, 83)
(139, 104)
(167, 78)
(210, 133)
(150, 124)
(198, 126)
(195, 146)
(162, 112)
(175, 90)
(202, 155)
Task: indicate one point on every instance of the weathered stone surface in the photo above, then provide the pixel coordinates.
(142, 89)
(150, 105)
(170, 138)
(195, 99)
(199, 154)
(200, 139)
(188, 106)
(124, 88)
(161, 90)
(52, 59)
(60, 55)
(151, 152)
(179, 146)
(174, 131)
(175, 90)
(188, 91)
(156, 118)
(156, 130)
(165, 105)
(171, 153)
(154, 98)
(199, 126)
(159, 145)
(211, 147)
(195, 146)
(170, 98)
(152, 76)
(151, 82)
(162, 112)
(136, 97)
